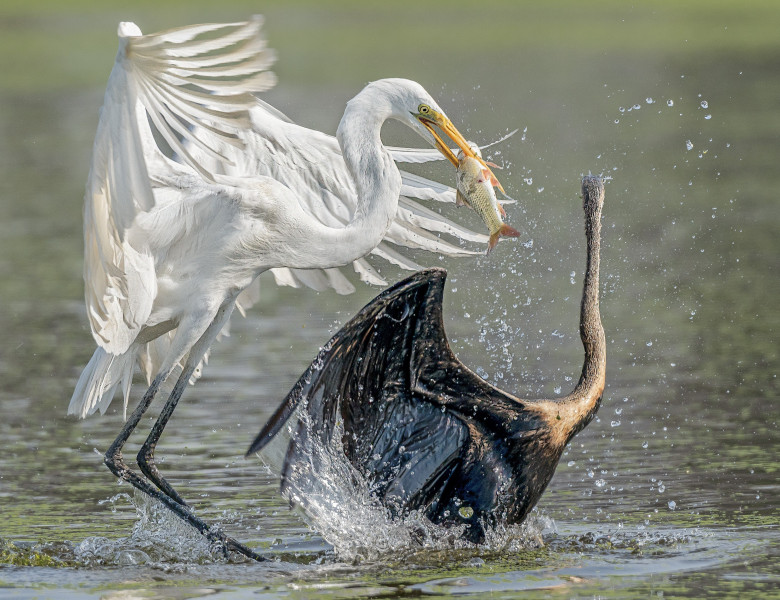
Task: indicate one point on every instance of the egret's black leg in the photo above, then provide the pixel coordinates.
(166, 494)
(116, 464)
(113, 457)
(215, 536)
(146, 454)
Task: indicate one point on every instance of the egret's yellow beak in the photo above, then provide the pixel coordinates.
(438, 119)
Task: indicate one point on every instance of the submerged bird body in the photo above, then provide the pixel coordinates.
(475, 188)
(174, 242)
(424, 431)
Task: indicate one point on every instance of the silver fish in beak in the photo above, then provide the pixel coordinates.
(475, 183)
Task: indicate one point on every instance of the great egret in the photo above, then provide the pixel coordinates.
(424, 431)
(175, 239)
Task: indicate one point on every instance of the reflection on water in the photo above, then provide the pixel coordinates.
(671, 490)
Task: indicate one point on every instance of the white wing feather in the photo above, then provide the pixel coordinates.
(177, 80)
(310, 163)
(192, 88)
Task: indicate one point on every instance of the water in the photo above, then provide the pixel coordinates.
(671, 491)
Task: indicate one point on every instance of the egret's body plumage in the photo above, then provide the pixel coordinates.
(175, 240)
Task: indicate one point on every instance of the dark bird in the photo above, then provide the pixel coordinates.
(422, 429)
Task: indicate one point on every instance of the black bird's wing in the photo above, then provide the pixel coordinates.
(414, 421)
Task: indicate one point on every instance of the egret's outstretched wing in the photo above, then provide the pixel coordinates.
(310, 163)
(172, 82)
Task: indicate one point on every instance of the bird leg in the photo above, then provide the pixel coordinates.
(113, 457)
(116, 464)
(145, 458)
(215, 536)
(199, 348)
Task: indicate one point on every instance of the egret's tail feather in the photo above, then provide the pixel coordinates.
(99, 380)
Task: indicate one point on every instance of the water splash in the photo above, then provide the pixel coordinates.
(336, 501)
(158, 537)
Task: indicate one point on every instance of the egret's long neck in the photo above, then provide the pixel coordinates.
(376, 177)
(377, 184)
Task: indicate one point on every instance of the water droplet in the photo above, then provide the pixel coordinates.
(571, 463)
(649, 344)
(645, 445)
(590, 473)
(661, 487)
(649, 100)
(704, 104)
(707, 117)
(615, 423)
(672, 505)
(670, 103)
(689, 144)
(600, 483)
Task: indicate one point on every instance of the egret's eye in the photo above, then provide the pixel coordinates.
(424, 109)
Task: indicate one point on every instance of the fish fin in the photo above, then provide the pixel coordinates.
(501, 209)
(494, 165)
(505, 231)
(493, 241)
(460, 200)
(488, 175)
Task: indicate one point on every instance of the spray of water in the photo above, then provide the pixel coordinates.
(338, 503)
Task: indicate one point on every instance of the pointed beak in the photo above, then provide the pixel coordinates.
(442, 122)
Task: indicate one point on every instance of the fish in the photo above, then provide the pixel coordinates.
(475, 183)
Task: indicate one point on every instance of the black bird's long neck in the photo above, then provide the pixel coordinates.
(583, 402)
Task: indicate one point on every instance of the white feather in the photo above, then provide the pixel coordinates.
(175, 239)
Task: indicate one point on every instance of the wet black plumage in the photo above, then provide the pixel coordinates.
(423, 430)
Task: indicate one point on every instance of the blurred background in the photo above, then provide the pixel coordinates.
(676, 103)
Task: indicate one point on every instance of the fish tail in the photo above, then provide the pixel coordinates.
(506, 231)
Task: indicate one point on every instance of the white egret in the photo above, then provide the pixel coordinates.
(175, 240)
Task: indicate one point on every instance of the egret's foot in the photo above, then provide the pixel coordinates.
(116, 464)
(225, 544)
